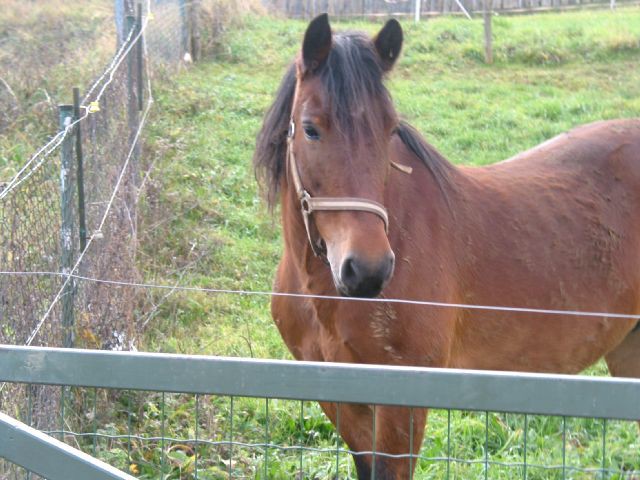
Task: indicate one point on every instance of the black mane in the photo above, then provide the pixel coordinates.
(439, 166)
(352, 76)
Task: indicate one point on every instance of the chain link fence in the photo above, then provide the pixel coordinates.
(72, 208)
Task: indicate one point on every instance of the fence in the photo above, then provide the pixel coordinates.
(422, 8)
(72, 208)
(527, 394)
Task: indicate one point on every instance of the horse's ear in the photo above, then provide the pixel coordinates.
(317, 43)
(388, 43)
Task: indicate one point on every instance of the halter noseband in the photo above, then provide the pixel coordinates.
(309, 204)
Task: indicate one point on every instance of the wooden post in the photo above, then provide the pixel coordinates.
(184, 27)
(65, 116)
(196, 8)
(488, 38)
(82, 223)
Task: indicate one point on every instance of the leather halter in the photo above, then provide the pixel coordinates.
(309, 204)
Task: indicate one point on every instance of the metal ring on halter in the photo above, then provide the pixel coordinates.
(305, 205)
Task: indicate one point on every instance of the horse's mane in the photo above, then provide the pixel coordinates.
(437, 165)
(271, 144)
(351, 76)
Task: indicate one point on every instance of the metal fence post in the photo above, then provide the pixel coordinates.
(417, 11)
(80, 172)
(134, 84)
(132, 104)
(65, 113)
(139, 56)
(131, 25)
(119, 18)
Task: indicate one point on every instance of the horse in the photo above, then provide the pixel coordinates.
(370, 209)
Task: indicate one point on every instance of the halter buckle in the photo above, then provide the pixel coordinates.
(305, 203)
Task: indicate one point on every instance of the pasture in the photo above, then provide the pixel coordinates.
(205, 225)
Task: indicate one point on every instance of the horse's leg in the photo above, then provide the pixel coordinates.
(354, 423)
(392, 437)
(399, 431)
(624, 360)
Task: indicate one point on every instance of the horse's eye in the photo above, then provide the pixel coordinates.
(310, 132)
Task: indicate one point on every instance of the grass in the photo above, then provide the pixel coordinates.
(206, 226)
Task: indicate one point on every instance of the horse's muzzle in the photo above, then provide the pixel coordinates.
(360, 278)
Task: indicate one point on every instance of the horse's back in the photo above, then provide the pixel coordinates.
(593, 142)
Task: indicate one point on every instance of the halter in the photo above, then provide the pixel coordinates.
(309, 204)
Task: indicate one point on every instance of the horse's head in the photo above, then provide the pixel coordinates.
(341, 120)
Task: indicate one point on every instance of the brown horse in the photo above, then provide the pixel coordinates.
(555, 227)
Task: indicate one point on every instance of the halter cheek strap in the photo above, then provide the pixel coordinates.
(309, 204)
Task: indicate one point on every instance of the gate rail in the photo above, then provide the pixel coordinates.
(542, 394)
(51, 458)
(524, 393)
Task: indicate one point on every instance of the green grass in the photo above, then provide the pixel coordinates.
(206, 226)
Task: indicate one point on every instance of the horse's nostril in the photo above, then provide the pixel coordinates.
(364, 279)
(348, 272)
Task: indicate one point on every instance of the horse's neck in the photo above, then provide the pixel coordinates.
(429, 212)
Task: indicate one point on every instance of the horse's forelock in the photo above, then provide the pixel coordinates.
(352, 79)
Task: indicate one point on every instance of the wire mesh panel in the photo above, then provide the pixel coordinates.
(208, 435)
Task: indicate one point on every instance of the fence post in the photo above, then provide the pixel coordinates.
(184, 29)
(119, 18)
(139, 55)
(417, 11)
(196, 7)
(131, 25)
(65, 114)
(488, 38)
(82, 223)
(133, 84)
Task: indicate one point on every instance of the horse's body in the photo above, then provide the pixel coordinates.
(553, 228)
